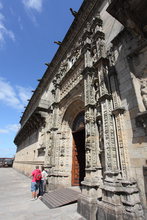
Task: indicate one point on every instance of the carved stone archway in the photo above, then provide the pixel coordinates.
(71, 131)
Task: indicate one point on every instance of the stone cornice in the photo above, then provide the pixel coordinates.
(35, 121)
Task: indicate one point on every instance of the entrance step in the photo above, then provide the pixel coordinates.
(60, 197)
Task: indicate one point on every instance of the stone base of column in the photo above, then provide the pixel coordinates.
(87, 207)
(120, 200)
(109, 211)
(87, 203)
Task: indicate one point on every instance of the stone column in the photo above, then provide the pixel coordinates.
(87, 203)
(118, 112)
(52, 153)
(120, 195)
(48, 152)
(91, 140)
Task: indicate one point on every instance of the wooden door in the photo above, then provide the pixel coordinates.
(78, 159)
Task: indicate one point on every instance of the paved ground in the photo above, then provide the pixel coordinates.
(15, 201)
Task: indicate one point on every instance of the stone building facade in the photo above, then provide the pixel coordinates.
(86, 122)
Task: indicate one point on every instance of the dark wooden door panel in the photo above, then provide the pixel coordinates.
(78, 164)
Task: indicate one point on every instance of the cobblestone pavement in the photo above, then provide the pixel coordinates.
(15, 201)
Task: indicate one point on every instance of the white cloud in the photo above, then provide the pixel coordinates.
(33, 4)
(3, 131)
(13, 127)
(10, 128)
(15, 97)
(23, 93)
(4, 31)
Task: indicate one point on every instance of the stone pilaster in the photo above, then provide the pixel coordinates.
(90, 185)
(117, 189)
(118, 112)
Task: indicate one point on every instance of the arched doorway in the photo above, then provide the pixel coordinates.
(78, 153)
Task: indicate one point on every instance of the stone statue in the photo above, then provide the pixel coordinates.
(88, 158)
(143, 89)
(63, 67)
(95, 55)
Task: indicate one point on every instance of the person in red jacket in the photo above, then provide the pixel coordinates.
(36, 177)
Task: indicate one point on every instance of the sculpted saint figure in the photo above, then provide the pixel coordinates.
(143, 89)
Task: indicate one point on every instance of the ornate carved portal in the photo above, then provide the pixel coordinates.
(78, 154)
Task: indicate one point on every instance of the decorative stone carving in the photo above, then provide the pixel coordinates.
(63, 67)
(143, 89)
(88, 158)
(68, 85)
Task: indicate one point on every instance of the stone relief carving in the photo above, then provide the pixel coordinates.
(101, 48)
(88, 158)
(74, 80)
(143, 89)
(70, 59)
(62, 151)
(63, 68)
(75, 53)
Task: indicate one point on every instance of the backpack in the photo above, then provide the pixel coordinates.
(38, 176)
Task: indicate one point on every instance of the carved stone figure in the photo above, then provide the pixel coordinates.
(49, 151)
(63, 67)
(143, 89)
(88, 158)
(95, 55)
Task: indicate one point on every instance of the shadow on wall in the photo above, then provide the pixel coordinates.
(130, 84)
(32, 139)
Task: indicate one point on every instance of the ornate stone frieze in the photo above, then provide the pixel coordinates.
(97, 23)
(92, 147)
(99, 35)
(105, 105)
(86, 37)
(71, 58)
(119, 119)
(71, 82)
(92, 158)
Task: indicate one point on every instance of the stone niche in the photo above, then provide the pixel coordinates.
(138, 67)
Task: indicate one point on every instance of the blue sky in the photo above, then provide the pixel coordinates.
(28, 29)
